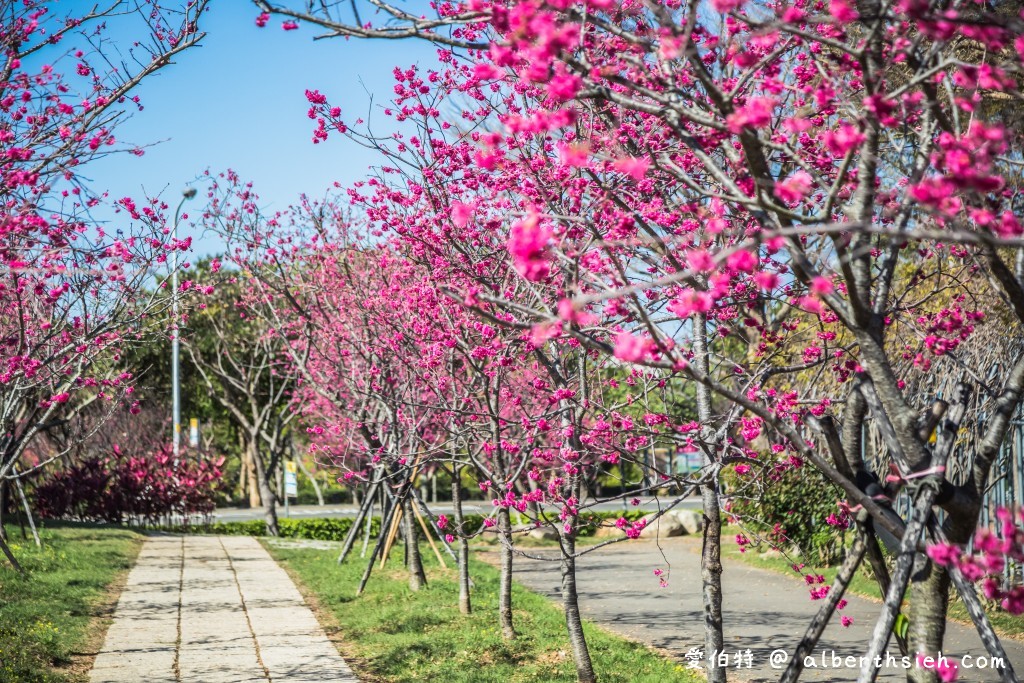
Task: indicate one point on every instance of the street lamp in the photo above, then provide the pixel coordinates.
(186, 194)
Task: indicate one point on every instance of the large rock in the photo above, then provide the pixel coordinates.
(609, 532)
(544, 533)
(692, 520)
(665, 526)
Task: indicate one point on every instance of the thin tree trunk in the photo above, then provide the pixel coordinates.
(465, 603)
(508, 632)
(571, 605)
(266, 492)
(243, 477)
(417, 577)
(255, 492)
(711, 551)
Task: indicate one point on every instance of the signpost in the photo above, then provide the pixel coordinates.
(291, 484)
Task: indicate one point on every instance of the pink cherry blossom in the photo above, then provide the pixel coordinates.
(527, 244)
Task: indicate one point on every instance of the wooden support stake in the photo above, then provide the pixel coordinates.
(398, 513)
(392, 532)
(28, 510)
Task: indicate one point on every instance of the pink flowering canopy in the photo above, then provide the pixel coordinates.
(74, 291)
(801, 217)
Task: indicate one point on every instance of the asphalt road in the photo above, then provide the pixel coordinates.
(765, 613)
(469, 507)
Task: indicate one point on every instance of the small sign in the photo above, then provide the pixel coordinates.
(193, 433)
(291, 483)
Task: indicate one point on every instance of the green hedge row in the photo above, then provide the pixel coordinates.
(335, 529)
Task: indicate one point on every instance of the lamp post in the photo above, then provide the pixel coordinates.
(186, 194)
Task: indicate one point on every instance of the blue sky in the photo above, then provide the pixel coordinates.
(238, 102)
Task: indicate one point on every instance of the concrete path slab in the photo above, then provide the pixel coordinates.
(764, 611)
(214, 609)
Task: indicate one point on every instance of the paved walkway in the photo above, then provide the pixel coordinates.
(214, 610)
(764, 611)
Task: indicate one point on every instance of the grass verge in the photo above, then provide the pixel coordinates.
(53, 618)
(392, 634)
(336, 528)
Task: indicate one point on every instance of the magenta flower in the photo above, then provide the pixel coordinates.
(635, 168)
(794, 188)
(756, 113)
(528, 245)
(632, 349)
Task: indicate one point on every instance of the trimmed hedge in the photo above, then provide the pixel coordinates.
(335, 529)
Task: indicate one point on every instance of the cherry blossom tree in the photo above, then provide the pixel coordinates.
(740, 195)
(245, 368)
(75, 290)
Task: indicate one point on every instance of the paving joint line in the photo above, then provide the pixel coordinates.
(245, 610)
(181, 589)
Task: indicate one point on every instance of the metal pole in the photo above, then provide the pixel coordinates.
(187, 193)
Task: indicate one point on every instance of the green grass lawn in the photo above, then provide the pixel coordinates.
(50, 617)
(864, 585)
(392, 634)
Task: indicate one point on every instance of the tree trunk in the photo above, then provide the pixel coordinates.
(266, 492)
(711, 577)
(243, 478)
(711, 551)
(571, 605)
(465, 603)
(417, 577)
(929, 601)
(505, 586)
(255, 492)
